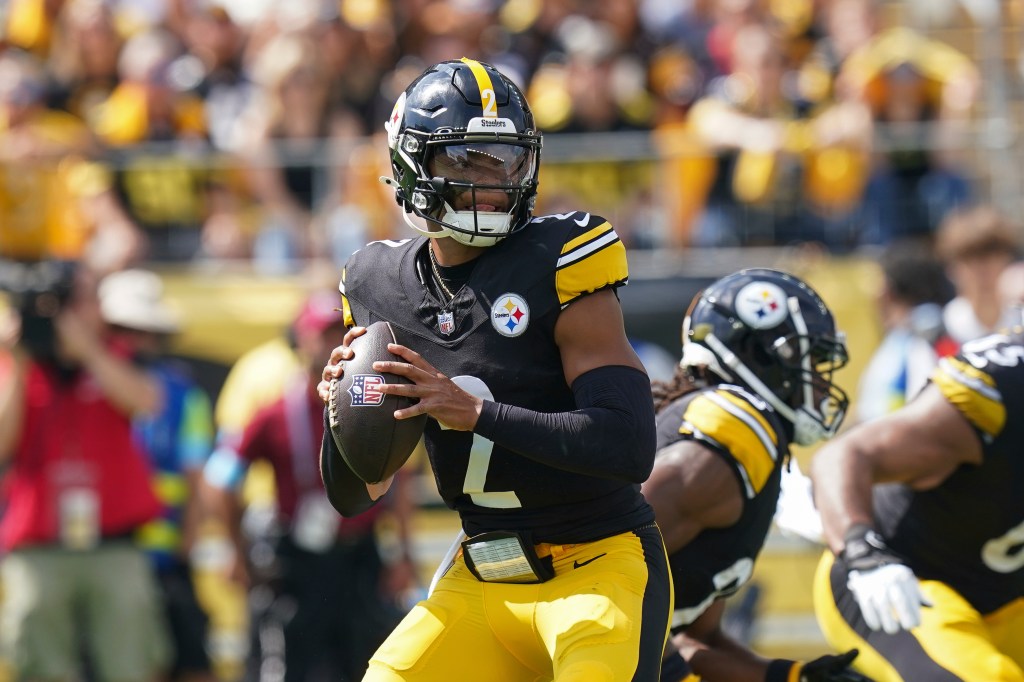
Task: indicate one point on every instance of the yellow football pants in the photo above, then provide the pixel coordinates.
(604, 617)
(953, 642)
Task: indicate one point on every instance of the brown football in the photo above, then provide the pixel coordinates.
(373, 443)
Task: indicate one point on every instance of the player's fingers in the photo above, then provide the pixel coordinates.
(403, 369)
(411, 356)
(408, 390)
(412, 411)
(341, 353)
(333, 371)
(323, 389)
(868, 610)
(887, 616)
(906, 606)
(843, 660)
(353, 333)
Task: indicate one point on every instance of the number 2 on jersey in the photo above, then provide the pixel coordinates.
(480, 456)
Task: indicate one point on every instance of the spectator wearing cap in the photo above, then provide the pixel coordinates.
(977, 245)
(76, 489)
(177, 440)
(320, 594)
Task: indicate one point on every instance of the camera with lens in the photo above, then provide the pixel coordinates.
(38, 291)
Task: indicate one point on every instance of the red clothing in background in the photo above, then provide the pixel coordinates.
(268, 437)
(73, 438)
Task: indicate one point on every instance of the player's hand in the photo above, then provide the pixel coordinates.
(831, 668)
(438, 396)
(335, 367)
(885, 588)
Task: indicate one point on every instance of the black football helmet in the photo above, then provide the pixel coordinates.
(464, 153)
(770, 332)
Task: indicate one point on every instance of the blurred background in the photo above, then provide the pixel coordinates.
(234, 148)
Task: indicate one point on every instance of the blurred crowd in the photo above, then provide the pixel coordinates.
(119, 469)
(228, 131)
(223, 132)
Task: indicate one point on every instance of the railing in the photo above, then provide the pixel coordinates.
(651, 185)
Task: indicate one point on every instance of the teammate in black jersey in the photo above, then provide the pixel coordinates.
(928, 572)
(542, 423)
(759, 351)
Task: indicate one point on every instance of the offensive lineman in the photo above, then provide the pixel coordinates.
(928, 573)
(759, 351)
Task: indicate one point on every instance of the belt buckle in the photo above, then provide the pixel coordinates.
(505, 557)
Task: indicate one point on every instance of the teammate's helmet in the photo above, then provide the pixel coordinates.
(464, 153)
(771, 333)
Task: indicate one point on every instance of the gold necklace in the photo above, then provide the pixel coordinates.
(437, 273)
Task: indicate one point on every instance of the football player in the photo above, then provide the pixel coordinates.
(541, 421)
(759, 351)
(927, 576)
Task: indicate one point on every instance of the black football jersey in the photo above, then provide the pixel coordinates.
(968, 532)
(751, 437)
(495, 339)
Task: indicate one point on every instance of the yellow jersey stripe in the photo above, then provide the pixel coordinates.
(732, 429)
(973, 392)
(346, 309)
(588, 236)
(595, 270)
(750, 416)
(483, 81)
(346, 312)
(761, 425)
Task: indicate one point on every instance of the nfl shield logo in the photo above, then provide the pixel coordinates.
(364, 390)
(446, 322)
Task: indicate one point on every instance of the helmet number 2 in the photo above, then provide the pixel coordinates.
(480, 456)
(490, 102)
(1005, 554)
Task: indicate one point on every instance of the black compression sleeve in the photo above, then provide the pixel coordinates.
(610, 435)
(346, 491)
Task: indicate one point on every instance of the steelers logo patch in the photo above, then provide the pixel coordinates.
(761, 305)
(510, 315)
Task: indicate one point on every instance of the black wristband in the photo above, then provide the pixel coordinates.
(864, 549)
(778, 670)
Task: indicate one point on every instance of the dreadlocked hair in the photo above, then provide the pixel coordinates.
(684, 380)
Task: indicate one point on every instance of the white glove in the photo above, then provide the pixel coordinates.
(795, 514)
(889, 597)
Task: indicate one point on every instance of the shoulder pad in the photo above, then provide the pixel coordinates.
(725, 419)
(591, 256)
(971, 382)
(367, 263)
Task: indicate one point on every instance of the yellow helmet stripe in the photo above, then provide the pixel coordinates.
(483, 81)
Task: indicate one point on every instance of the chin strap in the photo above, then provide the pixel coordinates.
(470, 223)
(441, 230)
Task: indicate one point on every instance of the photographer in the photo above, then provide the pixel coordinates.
(76, 489)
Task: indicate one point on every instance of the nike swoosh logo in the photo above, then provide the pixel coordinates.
(581, 564)
(582, 222)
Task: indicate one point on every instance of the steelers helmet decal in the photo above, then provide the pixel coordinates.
(464, 153)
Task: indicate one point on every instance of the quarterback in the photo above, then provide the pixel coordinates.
(541, 423)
